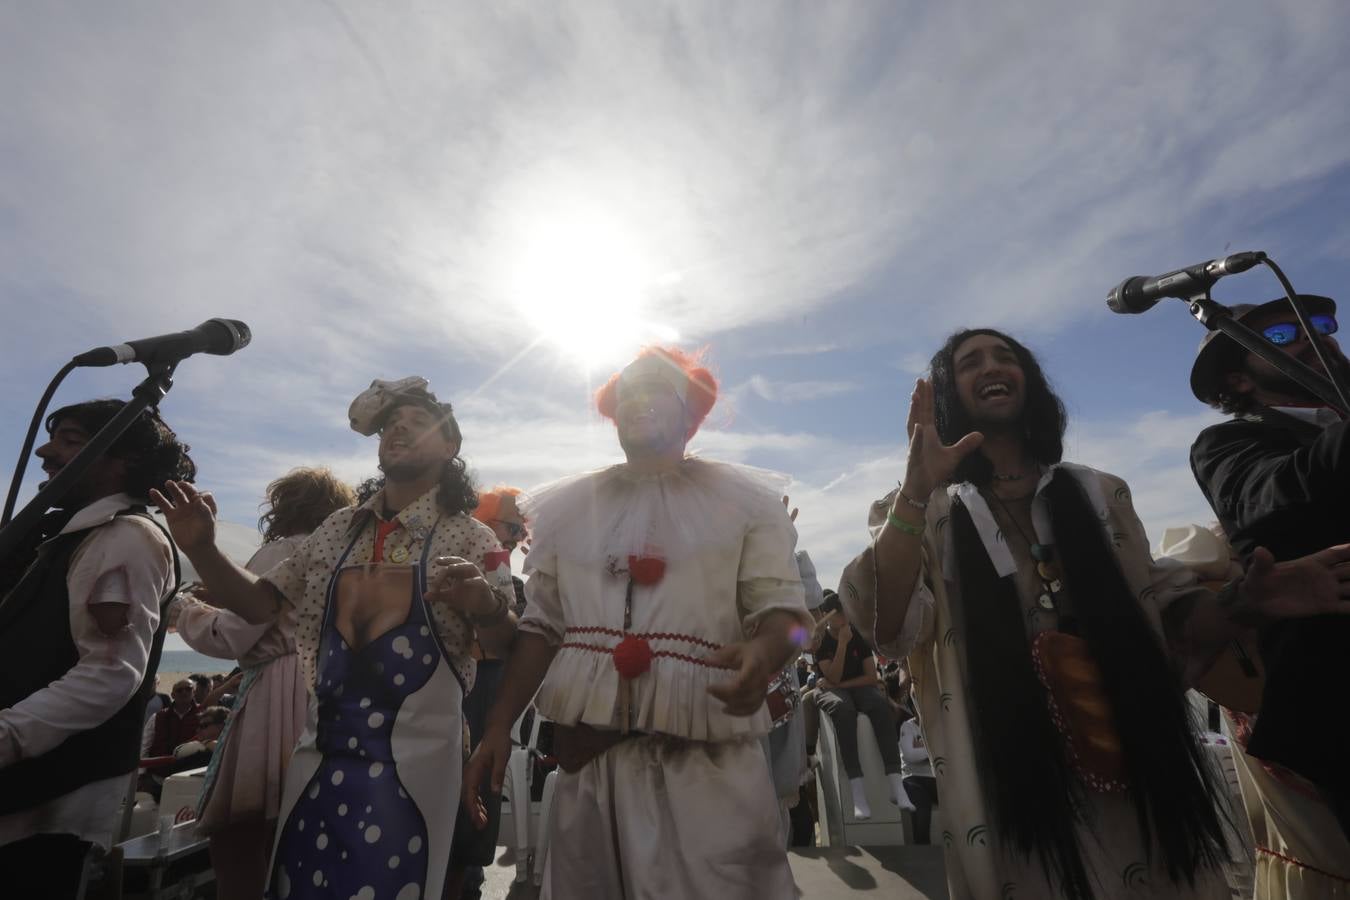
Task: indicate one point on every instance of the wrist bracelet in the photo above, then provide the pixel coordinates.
(915, 530)
(911, 501)
(497, 616)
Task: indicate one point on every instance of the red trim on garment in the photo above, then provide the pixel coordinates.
(597, 648)
(382, 531)
(648, 635)
(1302, 865)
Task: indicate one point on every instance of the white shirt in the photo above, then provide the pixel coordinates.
(913, 750)
(129, 562)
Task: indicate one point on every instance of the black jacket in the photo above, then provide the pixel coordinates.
(1284, 484)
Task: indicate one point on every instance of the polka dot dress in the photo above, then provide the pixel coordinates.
(303, 579)
(355, 832)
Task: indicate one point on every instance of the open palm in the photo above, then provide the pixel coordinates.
(1313, 585)
(931, 462)
(190, 514)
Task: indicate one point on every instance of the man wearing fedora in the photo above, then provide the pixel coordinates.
(1277, 474)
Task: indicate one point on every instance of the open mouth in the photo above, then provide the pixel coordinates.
(994, 390)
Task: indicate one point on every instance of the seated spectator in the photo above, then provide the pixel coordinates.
(201, 688)
(848, 686)
(179, 722)
(195, 753)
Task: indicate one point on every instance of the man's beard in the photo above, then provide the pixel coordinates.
(1274, 381)
(408, 471)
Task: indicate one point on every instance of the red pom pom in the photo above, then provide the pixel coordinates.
(646, 570)
(632, 657)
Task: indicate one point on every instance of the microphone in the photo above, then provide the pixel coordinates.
(1138, 294)
(219, 336)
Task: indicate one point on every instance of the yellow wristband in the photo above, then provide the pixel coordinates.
(904, 526)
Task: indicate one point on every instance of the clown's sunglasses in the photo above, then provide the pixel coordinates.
(1287, 332)
(514, 529)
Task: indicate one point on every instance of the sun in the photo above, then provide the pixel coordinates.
(586, 284)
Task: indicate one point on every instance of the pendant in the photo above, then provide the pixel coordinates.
(1046, 601)
(398, 555)
(1044, 570)
(1042, 552)
(1056, 586)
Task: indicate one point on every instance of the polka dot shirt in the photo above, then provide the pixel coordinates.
(303, 579)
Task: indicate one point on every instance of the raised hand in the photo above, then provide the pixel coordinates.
(792, 510)
(931, 462)
(1313, 585)
(190, 514)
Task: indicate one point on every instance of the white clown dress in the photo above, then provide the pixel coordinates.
(687, 808)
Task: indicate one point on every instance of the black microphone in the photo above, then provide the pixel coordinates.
(219, 336)
(1137, 294)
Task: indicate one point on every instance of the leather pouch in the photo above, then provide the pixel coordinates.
(1080, 709)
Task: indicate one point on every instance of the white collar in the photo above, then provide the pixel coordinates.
(100, 512)
(992, 536)
(1321, 416)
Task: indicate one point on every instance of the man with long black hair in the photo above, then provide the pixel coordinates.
(80, 637)
(385, 600)
(1048, 647)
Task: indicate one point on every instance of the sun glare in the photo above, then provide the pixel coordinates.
(585, 283)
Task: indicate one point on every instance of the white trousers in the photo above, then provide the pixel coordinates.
(657, 818)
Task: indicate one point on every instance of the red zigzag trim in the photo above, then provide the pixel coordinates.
(649, 636)
(596, 648)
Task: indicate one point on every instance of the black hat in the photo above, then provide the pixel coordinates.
(1220, 354)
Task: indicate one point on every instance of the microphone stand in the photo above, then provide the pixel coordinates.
(1217, 317)
(148, 393)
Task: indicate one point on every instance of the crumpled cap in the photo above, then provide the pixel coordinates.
(370, 407)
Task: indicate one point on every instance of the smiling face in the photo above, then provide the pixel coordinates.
(413, 443)
(106, 476)
(990, 383)
(650, 418)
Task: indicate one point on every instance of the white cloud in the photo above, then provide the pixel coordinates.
(792, 391)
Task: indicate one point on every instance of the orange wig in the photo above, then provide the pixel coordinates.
(700, 387)
(492, 504)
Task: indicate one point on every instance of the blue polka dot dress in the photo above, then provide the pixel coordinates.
(355, 830)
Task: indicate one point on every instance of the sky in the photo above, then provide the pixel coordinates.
(510, 198)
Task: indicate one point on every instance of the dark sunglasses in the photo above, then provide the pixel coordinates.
(514, 529)
(1287, 332)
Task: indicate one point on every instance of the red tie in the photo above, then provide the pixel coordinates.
(382, 531)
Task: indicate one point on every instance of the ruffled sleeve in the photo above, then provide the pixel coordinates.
(768, 578)
(543, 606)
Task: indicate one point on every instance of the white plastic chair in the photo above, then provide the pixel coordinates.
(545, 824)
(515, 821)
(839, 827)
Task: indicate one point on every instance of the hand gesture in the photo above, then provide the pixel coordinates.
(460, 585)
(488, 760)
(190, 514)
(792, 510)
(744, 693)
(1313, 585)
(930, 461)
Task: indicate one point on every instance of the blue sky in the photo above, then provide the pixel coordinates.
(509, 198)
